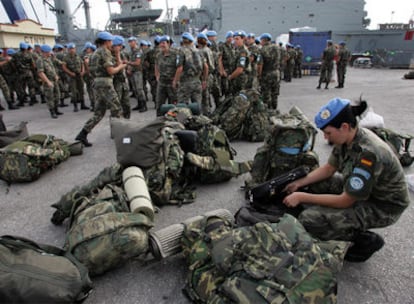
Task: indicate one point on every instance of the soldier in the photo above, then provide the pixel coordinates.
(241, 65)
(269, 71)
(3, 84)
(63, 77)
(135, 73)
(144, 45)
(297, 72)
(47, 73)
(327, 65)
(192, 68)
(166, 65)
(372, 192)
(214, 83)
(290, 62)
(24, 64)
(74, 67)
(343, 58)
(283, 58)
(225, 62)
(208, 57)
(37, 53)
(120, 81)
(103, 66)
(149, 64)
(254, 52)
(88, 49)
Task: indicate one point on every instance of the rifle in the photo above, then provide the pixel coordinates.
(261, 194)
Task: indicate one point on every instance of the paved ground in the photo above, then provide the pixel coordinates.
(388, 277)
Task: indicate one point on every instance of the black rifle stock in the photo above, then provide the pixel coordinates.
(273, 188)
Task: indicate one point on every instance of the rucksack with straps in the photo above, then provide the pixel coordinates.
(256, 125)
(103, 233)
(288, 145)
(399, 143)
(25, 160)
(36, 273)
(264, 263)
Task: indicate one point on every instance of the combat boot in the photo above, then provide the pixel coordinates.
(53, 114)
(21, 103)
(365, 244)
(12, 106)
(82, 137)
(32, 101)
(143, 107)
(42, 98)
(319, 86)
(57, 111)
(75, 106)
(62, 103)
(83, 106)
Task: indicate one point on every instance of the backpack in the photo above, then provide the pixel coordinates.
(193, 65)
(32, 272)
(256, 125)
(288, 145)
(230, 115)
(25, 160)
(103, 233)
(399, 144)
(263, 263)
(14, 134)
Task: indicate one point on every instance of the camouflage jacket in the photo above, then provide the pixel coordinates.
(46, 66)
(269, 57)
(227, 56)
(73, 62)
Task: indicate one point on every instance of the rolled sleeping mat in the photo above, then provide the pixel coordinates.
(167, 241)
(194, 107)
(137, 192)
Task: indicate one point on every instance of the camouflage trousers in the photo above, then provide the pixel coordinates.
(340, 72)
(165, 93)
(214, 87)
(238, 84)
(25, 79)
(326, 72)
(189, 90)
(137, 83)
(106, 98)
(89, 88)
(153, 86)
(5, 89)
(327, 223)
(121, 89)
(52, 95)
(76, 85)
(270, 88)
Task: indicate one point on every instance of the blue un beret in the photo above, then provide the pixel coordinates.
(118, 40)
(329, 111)
(342, 43)
(188, 36)
(71, 45)
(10, 52)
(211, 33)
(202, 36)
(45, 48)
(164, 38)
(266, 36)
(251, 35)
(105, 36)
(132, 38)
(229, 34)
(23, 45)
(239, 33)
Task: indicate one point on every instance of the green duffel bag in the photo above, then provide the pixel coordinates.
(37, 273)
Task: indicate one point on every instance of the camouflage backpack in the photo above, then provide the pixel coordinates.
(256, 125)
(230, 114)
(193, 65)
(103, 233)
(288, 145)
(264, 263)
(25, 160)
(399, 143)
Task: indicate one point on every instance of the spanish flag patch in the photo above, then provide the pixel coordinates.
(366, 162)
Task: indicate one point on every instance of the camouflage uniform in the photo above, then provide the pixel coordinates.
(63, 78)
(269, 59)
(150, 70)
(297, 72)
(88, 78)
(121, 88)
(327, 66)
(226, 56)
(106, 96)
(8, 71)
(290, 64)
(241, 60)
(52, 94)
(209, 59)
(23, 61)
(136, 76)
(254, 52)
(167, 66)
(343, 58)
(372, 174)
(214, 86)
(74, 64)
(190, 84)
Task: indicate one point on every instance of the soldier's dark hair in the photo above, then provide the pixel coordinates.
(349, 115)
(99, 42)
(201, 41)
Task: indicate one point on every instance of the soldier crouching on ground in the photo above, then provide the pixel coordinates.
(372, 194)
(103, 67)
